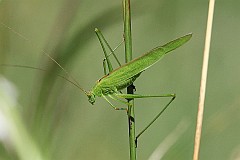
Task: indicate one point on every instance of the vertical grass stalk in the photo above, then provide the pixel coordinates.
(130, 89)
(203, 80)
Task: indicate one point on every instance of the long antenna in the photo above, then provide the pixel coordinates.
(75, 82)
(39, 69)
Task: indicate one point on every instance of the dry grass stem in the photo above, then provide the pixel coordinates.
(203, 80)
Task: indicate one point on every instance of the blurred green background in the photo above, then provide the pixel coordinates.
(58, 116)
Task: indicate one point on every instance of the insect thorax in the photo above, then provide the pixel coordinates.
(104, 88)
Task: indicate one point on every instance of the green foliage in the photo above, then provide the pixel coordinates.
(59, 118)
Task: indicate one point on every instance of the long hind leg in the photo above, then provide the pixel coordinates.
(129, 96)
(106, 62)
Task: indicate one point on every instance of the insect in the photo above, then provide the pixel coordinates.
(120, 78)
(111, 84)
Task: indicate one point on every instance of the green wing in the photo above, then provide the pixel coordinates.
(136, 66)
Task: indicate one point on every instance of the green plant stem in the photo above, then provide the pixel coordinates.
(130, 89)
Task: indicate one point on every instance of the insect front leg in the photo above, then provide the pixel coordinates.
(119, 100)
(114, 107)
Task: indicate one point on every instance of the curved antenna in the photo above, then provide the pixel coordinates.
(74, 81)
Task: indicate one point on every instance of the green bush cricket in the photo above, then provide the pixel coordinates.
(120, 78)
(112, 83)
